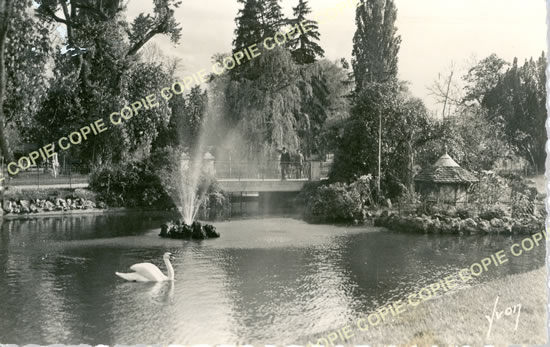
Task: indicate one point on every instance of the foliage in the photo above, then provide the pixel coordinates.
(286, 105)
(100, 66)
(335, 203)
(217, 203)
(304, 47)
(27, 53)
(25, 47)
(375, 43)
(338, 202)
(489, 212)
(490, 190)
(133, 184)
(515, 102)
(406, 127)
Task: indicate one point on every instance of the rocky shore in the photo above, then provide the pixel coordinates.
(181, 230)
(51, 204)
(439, 223)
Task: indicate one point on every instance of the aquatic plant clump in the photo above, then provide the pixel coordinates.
(181, 230)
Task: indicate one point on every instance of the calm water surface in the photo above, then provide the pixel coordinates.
(264, 281)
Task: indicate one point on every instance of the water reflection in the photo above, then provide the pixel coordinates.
(263, 281)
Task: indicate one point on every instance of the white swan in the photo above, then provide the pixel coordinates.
(147, 272)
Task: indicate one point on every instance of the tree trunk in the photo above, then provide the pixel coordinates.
(411, 166)
(6, 10)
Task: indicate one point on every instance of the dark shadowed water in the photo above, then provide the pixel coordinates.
(264, 281)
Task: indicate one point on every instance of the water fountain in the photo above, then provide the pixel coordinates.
(190, 197)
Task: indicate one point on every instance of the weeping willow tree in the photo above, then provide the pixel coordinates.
(285, 106)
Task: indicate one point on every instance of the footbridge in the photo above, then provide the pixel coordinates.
(270, 176)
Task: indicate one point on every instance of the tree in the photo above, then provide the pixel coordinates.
(406, 129)
(26, 56)
(375, 43)
(482, 78)
(304, 48)
(446, 91)
(274, 19)
(102, 59)
(91, 26)
(249, 25)
(6, 17)
(513, 98)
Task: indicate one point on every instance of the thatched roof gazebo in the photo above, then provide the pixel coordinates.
(445, 182)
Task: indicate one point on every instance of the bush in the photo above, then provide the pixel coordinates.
(338, 202)
(133, 184)
(492, 211)
(468, 211)
(217, 202)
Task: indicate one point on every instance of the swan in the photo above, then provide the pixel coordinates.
(147, 272)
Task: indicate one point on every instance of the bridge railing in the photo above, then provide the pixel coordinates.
(267, 170)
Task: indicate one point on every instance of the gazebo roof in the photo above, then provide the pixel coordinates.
(446, 170)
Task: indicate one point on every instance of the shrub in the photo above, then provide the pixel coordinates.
(467, 211)
(338, 202)
(217, 202)
(492, 211)
(133, 184)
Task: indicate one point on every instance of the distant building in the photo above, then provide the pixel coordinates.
(445, 182)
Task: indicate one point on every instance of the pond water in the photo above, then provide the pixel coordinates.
(271, 280)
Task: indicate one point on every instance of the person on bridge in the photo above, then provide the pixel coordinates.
(300, 166)
(285, 162)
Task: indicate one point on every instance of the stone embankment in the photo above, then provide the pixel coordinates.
(48, 205)
(457, 225)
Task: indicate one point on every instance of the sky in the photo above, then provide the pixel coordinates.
(435, 34)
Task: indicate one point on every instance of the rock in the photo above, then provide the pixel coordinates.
(418, 224)
(33, 208)
(49, 206)
(446, 228)
(25, 206)
(469, 225)
(519, 228)
(497, 223)
(484, 226)
(388, 203)
(507, 220)
(435, 226)
(456, 225)
(211, 231)
(60, 202)
(7, 206)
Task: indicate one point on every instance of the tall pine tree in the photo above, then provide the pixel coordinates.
(274, 19)
(249, 25)
(257, 20)
(304, 47)
(375, 43)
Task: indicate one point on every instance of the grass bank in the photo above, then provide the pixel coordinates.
(459, 318)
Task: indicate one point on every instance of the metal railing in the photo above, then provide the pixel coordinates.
(42, 176)
(268, 170)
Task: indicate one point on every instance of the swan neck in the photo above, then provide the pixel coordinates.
(169, 268)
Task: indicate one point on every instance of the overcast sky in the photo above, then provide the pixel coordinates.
(434, 33)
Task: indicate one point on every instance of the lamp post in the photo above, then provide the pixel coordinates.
(379, 151)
